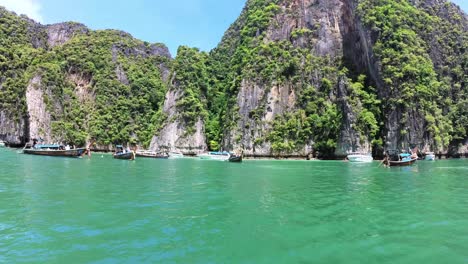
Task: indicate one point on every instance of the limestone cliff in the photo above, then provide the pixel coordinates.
(174, 135)
(182, 127)
(300, 78)
(318, 28)
(66, 83)
(60, 33)
(340, 31)
(39, 117)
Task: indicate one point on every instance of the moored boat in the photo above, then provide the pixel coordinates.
(235, 158)
(215, 155)
(359, 157)
(404, 159)
(429, 156)
(151, 154)
(2, 144)
(175, 155)
(121, 153)
(53, 150)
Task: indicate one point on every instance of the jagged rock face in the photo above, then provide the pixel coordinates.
(155, 50)
(258, 107)
(349, 140)
(142, 50)
(121, 76)
(163, 51)
(173, 136)
(12, 130)
(39, 117)
(413, 131)
(335, 31)
(63, 107)
(458, 148)
(83, 86)
(324, 18)
(328, 23)
(357, 46)
(58, 34)
(415, 135)
(159, 50)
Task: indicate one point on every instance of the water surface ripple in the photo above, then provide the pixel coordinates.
(101, 210)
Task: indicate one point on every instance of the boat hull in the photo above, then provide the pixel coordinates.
(175, 155)
(234, 158)
(56, 153)
(125, 156)
(152, 156)
(402, 163)
(213, 157)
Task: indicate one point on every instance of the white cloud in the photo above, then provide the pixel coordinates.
(31, 8)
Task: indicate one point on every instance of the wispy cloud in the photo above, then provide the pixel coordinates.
(31, 8)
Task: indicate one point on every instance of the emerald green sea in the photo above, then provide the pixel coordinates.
(101, 210)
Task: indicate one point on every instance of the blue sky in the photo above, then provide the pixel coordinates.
(195, 23)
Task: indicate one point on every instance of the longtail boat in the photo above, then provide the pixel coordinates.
(402, 159)
(151, 154)
(406, 160)
(53, 150)
(121, 153)
(236, 157)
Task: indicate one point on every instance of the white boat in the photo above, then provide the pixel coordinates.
(215, 155)
(2, 143)
(430, 156)
(175, 155)
(360, 157)
(151, 154)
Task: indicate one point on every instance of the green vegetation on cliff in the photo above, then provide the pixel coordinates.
(16, 54)
(103, 84)
(247, 56)
(191, 76)
(407, 70)
(109, 86)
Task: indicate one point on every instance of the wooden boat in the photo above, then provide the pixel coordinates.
(235, 158)
(121, 153)
(53, 150)
(429, 156)
(404, 159)
(151, 154)
(402, 162)
(360, 157)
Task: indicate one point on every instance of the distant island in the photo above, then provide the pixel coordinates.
(289, 78)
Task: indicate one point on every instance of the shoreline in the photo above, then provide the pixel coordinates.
(297, 158)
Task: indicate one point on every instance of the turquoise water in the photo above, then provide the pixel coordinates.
(101, 210)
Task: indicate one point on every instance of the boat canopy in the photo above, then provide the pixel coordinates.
(118, 146)
(403, 155)
(47, 146)
(219, 153)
